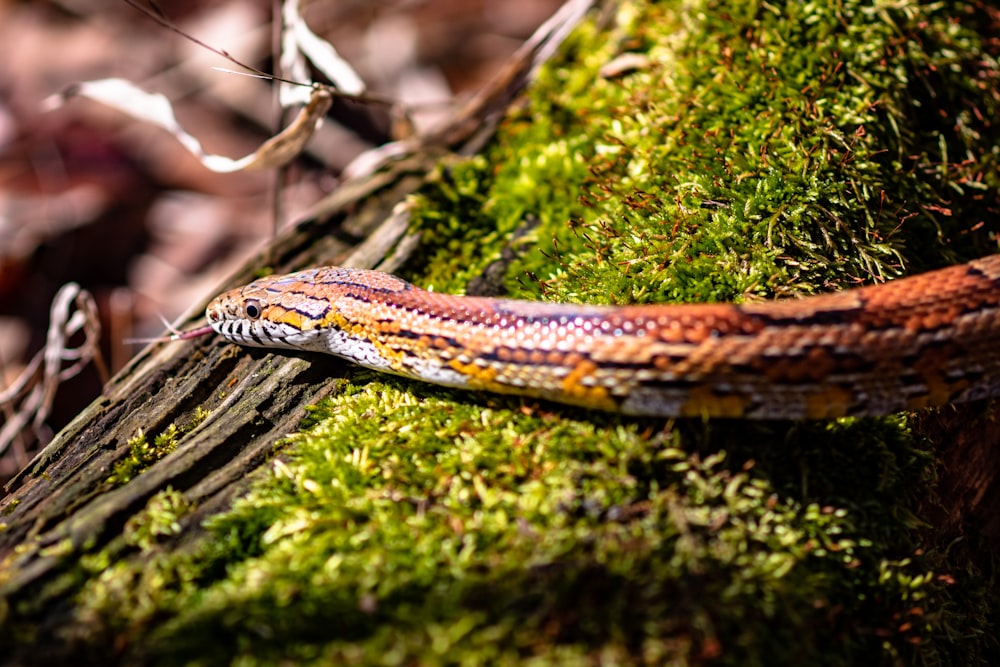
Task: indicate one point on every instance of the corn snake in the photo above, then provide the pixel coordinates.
(906, 344)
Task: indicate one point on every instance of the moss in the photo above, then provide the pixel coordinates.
(763, 150)
(10, 507)
(760, 152)
(452, 531)
(143, 454)
(161, 518)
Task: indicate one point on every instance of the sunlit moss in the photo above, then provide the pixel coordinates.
(761, 150)
(160, 519)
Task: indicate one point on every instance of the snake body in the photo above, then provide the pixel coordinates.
(907, 344)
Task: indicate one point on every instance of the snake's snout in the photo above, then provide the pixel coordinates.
(223, 314)
(213, 313)
(216, 313)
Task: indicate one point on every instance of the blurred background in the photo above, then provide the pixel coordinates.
(90, 196)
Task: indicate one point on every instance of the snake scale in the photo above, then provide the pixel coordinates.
(907, 344)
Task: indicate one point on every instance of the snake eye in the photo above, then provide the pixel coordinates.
(252, 309)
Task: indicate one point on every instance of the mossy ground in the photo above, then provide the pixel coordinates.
(760, 150)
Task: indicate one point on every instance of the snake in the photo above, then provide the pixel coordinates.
(906, 344)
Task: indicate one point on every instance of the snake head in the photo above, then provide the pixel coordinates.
(273, 312)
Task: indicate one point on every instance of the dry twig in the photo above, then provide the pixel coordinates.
(27, 402)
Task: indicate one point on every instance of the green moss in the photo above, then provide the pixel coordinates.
(456, 531)
(764, 150)
(142, 454)
(160, 519)
(761, 152)
(10, 507)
